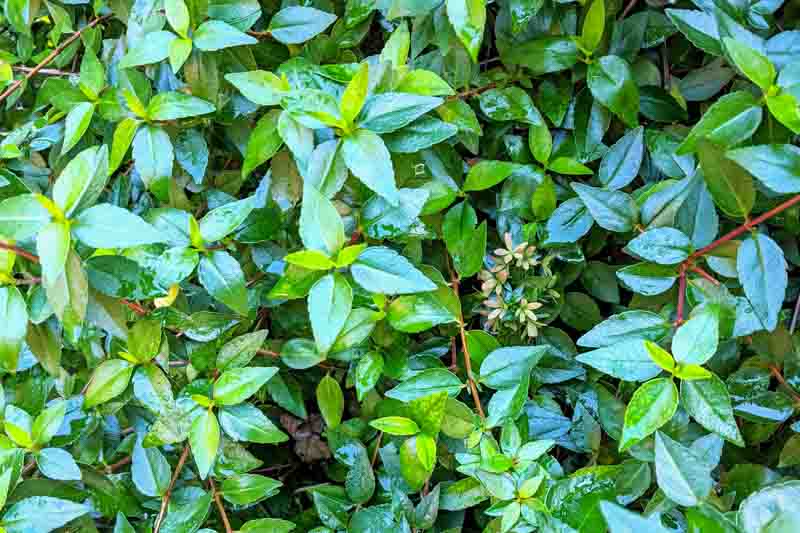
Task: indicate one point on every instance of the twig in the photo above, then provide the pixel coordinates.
(377, 449)
(681, 296)
(133, 306)
(776, 372)
(697, 270)
(795, 316)
(259, 34)
(472, 92)
(628, 8)
(28, 281)
(267, 353)
(45, 71)
(220, 507)
(168, 493)
(51, 56)
(467, 362)
(119, 464)
(745, 227)
(19, 251)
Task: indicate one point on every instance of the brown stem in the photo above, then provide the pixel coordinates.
(267, 353)
(259, 34)
(467, 362)
(681, 296)
(29, 281)
(473, 92)
(628, 8)
(220, 507)
(133, 306)
(795, 315)
(745, 227)
(776, 372)
(165, 500)
(377, 449)
(119, 464)
(51, 56)
(45, 71)
(697, 270)
(19, 251)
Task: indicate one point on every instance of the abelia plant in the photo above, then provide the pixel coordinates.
(399, 265)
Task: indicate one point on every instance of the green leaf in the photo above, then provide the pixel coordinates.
(175, 105)
(665, 246)
(245, 422)
(268, 525)
(301, 354)
(53, 246)
(648, 279)
(259, 86)
(696, 341)
(729, 121)
(21, 217)
(699, 27)
(626, 359)
(612, 210)
(504, 367)
(237, 385)
(629, 325)
(47, 423)
(76, 124)
(540, 142)
(223, 220)
(776, 165)
(296, 24)
(751, 63)
(545, 55)
(652, 405)
(42, 514)
(153, 156)
(770, 507)
(204, 439)
(611, 81)
(150, 471)
(14, 317)
(395, 425)
(397, 46)
(486, 174)
(109, 226)
(708, 402)
(568, 166)
(465, 242)
(108, 381)
(468, 18)
(785, 107)
(366, 156)
(246, 489)
(681, 474)
(730, 185)
(368, 372)
(215, 35)
(331, 401)
(593, 25)
(58, 464)
(80, 183)
(178, 16)
(263, 143)
(221, 275)
(321, 227)
(510, 103)
(762, 272)
(419, 312)
(388, 112)
(425, 383)
(329, 303)
(355, 94)
(384, 271)
(621, 163)
(123, 137)
(620, 520)
(424, 82)
(569, 222)
(152, 49)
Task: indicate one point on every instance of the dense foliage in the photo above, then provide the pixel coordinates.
(399, 265)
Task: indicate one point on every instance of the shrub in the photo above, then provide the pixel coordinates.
(399, 266)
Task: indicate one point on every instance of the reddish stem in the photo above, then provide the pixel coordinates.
(681, 296)
(697, 270)
(19, 251)
(745, 227)
(133, 306)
